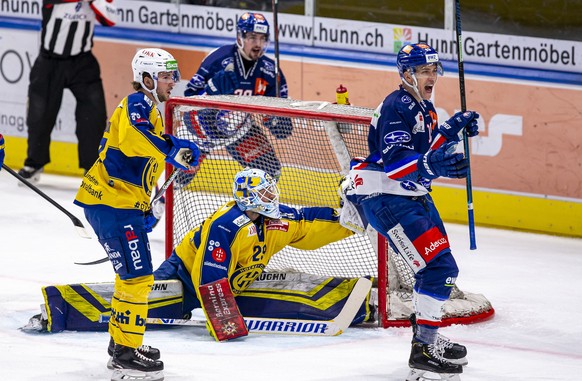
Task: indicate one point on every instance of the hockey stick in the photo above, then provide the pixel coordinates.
(469, 186)
(272, 326)
(78, 224)
(275, 5)
(156, 198)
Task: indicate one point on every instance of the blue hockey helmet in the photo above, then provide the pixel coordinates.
(412, 55)
(257, 191)
(252, 22)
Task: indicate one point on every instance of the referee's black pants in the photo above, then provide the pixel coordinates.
(48, 79)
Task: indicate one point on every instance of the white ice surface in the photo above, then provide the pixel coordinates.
(534, 282)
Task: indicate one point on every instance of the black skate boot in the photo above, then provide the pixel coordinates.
(453, 352)
(146, 350)
(426, 360)
(130, 364)
(31, 174)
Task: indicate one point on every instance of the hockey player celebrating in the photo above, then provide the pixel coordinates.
(244, 69)
(116, 192)
(407, 150)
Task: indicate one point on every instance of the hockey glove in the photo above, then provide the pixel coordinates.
(1, 151)
(223, 83)
(153, 215)
(451, 128)
(183, 153)
(280, 126)
(443, 162)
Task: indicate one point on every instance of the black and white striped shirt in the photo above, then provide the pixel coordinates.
(67, 28)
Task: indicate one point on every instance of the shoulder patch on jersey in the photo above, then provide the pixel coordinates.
(277, 225)
(227, 61)
(397, 137)
(268, 66)
(376, 116)
(406, 99)
(241, 220)
(252, 230)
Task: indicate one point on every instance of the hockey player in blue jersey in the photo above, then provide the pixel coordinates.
(243, 68)
(407, 150)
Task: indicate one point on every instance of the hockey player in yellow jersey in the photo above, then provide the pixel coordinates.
(238, 240)
(115, 194)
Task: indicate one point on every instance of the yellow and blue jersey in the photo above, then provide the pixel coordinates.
(229, 245)
(131, 158)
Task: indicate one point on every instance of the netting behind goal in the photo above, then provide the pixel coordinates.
(307, 146)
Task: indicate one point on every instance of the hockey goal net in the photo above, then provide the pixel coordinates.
(308, 150)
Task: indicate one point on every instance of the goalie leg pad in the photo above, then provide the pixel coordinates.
(299, 296)
(225, 321)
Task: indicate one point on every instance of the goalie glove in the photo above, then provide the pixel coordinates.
(105, 12)
(452, 127)
(350, 215)
(443, 162)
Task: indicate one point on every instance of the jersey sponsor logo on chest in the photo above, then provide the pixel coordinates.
(277, 225)
(260, 86)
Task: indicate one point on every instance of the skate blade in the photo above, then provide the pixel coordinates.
(131, 374)
(425, 375)
(463, 361)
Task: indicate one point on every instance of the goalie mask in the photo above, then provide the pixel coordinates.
(256, 191)
(413, 56)
(153, 61)
(252, 35)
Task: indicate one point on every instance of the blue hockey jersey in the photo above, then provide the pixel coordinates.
(258, 80)
(401, 130)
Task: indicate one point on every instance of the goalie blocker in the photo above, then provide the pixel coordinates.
(225, 321)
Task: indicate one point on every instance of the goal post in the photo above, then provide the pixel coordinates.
(307, 146)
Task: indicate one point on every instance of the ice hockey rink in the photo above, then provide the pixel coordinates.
(533, 282)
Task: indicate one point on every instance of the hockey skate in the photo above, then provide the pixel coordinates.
(428, 364)
(31, 174)
(453, 352)
(130, 364)
(146, 350)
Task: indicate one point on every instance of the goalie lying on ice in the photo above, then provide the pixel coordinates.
(236, 242)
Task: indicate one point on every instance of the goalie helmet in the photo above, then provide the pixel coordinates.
(257, 191)
(153, 61)
(413, 55)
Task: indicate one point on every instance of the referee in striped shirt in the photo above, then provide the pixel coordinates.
(65, 61)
